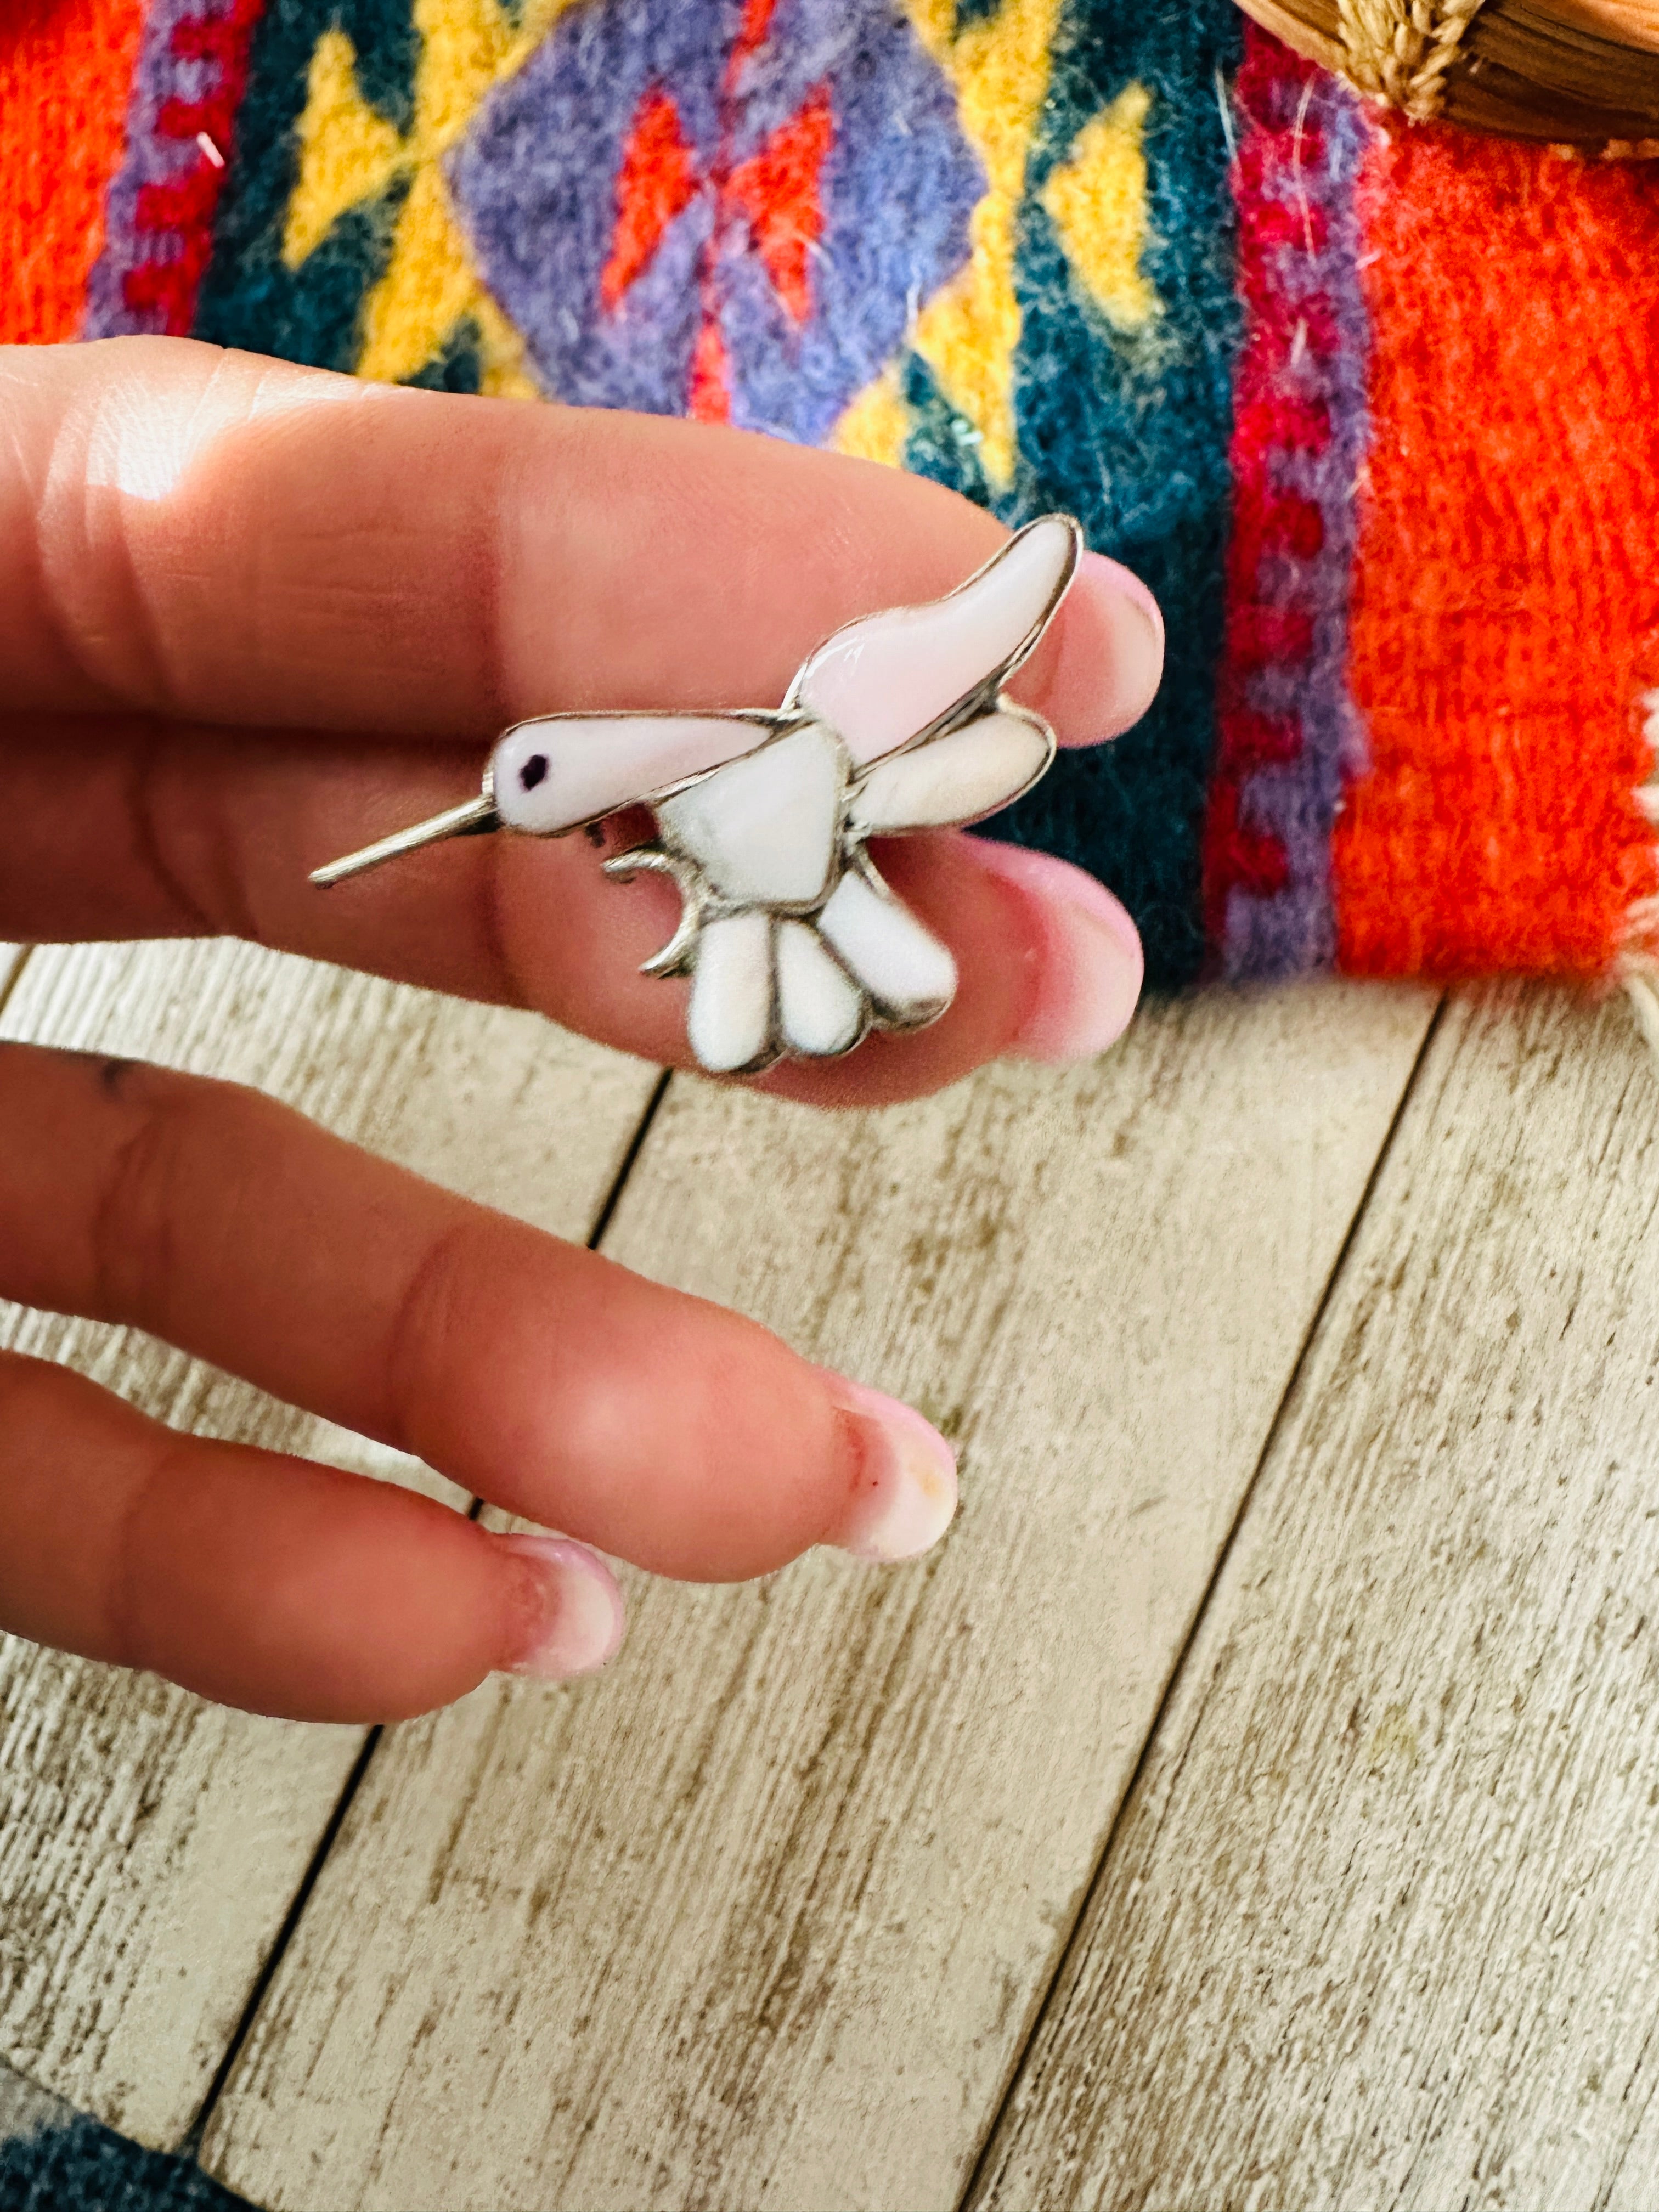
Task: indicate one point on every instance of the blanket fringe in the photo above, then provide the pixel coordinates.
(1641, 988)
(1636, 971)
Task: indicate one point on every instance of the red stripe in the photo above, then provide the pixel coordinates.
(1506, 593)
(180, 213)
(65, 72)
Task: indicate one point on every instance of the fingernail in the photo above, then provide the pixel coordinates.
(906, 1494)
(1091, 962)
(575, 1616)
(1133, 626)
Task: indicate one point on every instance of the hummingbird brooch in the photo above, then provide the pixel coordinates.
(898, 722)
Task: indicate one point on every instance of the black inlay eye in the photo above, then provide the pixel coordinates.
(533, 772)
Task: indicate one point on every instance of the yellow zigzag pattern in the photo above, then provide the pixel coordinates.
(349, 153)
(1098, 202)
(969, 332)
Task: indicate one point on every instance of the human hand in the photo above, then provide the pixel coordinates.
(253, 615)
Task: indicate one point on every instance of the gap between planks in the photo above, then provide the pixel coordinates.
(1087, 1904)
(191, 2144)
(150, 1844)
(1380, 1927)
(768, 1907)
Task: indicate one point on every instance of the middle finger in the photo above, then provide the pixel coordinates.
(539, 1375)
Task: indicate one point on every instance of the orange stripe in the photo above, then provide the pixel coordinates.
(1506, 588)
(65, 70)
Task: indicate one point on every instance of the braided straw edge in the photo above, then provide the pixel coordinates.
(1401, 50)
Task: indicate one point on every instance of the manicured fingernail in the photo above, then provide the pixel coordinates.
(1128, 614)
(906, 1494)
(1091, 963)
(575, 1615)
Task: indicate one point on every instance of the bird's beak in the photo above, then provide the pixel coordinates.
(477, 819)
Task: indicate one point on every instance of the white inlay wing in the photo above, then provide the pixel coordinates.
(880, 681)
(958, 778)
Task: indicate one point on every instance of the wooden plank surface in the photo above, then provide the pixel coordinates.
(1381, 1924)
(149, 1843)
(763, 1914)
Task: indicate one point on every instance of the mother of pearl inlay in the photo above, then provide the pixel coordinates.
(897, 723)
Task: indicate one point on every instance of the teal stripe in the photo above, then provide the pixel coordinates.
(248, 296)
(458, 366)
(1131, 436)
(942, 443)
(83, 2168)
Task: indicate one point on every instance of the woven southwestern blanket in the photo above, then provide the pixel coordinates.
(1375, 412)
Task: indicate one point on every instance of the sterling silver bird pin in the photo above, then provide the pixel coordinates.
(898, 722)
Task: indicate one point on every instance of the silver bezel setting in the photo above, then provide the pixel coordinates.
(665, 855)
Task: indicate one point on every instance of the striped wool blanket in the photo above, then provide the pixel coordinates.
(1373, 407)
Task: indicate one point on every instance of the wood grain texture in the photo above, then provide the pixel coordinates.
(763, 1914)
(150, 1843)
(1381, 1924)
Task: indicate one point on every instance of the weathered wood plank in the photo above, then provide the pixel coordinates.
(149, 1843)
(1380, 1925)
(762, 1913)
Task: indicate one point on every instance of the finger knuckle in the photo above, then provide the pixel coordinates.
(424, 1329)
(144, 1203)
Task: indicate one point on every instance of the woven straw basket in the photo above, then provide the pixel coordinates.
(1581, 72)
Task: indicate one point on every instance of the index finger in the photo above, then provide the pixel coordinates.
(208, 535)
